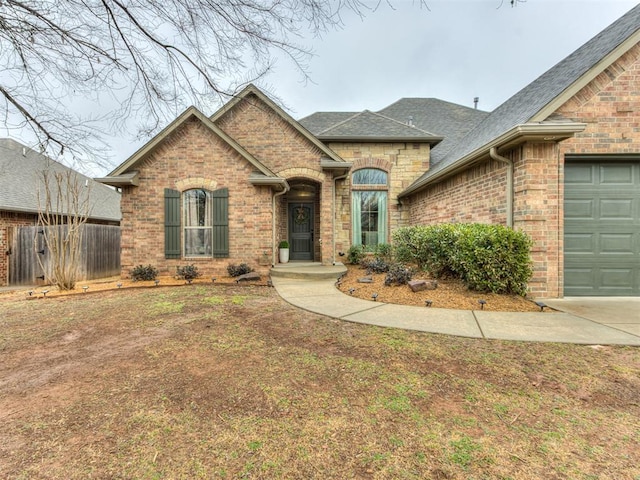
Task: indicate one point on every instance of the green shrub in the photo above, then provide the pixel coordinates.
(398, 274)
(283, 244)
(237, 270)
(144, 272)
(188, 272)
(355, 254)
(490, 258)
(384, 251)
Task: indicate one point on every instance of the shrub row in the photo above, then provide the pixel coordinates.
(491, 258)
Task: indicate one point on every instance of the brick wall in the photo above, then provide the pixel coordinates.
(610, 106)
(404, 162)
(194, 157)
(9, 220)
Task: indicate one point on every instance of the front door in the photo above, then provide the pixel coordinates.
(301, 231)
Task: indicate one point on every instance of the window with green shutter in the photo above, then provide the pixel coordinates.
(197, 223)
(172, 232)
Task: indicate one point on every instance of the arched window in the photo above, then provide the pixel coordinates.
(197, 208)
(369, 206)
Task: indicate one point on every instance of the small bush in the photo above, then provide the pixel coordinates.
(237, 270)
(398, 274)
(375, 264)
(144, 272)
(384, 251)
(188, 272)
(355, 254)
(488, 258)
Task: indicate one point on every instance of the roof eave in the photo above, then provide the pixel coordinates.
(587, 77)
(545, 132)
(268, 181)
(328, 164)
(124, 180)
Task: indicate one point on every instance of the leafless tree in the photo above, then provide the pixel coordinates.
(151, 57)
(63, 211)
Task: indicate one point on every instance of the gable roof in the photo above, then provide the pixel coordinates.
(125, 174)
(253, 90)
(20, 180)
(450, 120)
(369, 126)
(534, 104)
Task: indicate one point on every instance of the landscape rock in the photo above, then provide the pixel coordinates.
(248, 276)
(420, 285)
(365, 280)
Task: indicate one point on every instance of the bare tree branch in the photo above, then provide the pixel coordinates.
(149, 58)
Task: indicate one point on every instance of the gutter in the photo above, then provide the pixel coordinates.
(518, 134)
(493, 153)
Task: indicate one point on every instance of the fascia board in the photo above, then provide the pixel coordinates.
(517, 134)
(586, 78)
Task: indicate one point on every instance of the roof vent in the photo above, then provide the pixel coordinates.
(475, 102)
(410, 121)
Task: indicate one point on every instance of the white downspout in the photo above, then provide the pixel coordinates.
(493, 153)
(274, 248)
(333, 214)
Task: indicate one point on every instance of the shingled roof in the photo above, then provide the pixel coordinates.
(20, 172)
(370, 126)
(537, 101)
(449, 120)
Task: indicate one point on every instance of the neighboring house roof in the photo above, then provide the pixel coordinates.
(21, 171)
(535, 103)
(369, 126)
(450, 120)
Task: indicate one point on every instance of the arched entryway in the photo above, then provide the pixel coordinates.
(301, 205)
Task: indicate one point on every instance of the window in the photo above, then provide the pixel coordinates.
(369, 207)
(196, 223)
(197, 207)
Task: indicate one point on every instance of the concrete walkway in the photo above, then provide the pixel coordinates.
(578, 320)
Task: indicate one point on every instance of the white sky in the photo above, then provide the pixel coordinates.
(454, 51)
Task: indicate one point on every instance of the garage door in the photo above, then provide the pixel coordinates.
(602, 227)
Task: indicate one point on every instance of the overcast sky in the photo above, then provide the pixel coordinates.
(455, 51)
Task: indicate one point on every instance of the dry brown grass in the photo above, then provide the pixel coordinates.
(224, 381)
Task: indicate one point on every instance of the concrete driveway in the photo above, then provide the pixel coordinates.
(621, 313)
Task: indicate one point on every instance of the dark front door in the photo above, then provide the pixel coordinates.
(301, 231)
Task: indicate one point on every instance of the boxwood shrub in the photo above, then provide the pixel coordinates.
(488, 258)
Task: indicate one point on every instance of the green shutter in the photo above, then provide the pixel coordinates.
(171, 223)
(221, 223)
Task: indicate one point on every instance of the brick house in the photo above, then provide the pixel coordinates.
(20, 179)
(559, 160)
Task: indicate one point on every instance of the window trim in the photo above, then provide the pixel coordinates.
(208, 200)
(375, 187)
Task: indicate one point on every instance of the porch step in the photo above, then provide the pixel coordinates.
(308, 270)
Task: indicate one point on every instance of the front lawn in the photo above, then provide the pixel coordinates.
(226, 381)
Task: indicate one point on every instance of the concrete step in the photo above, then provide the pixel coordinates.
(308, 270)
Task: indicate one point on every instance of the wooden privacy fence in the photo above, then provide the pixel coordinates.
(99, 254)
